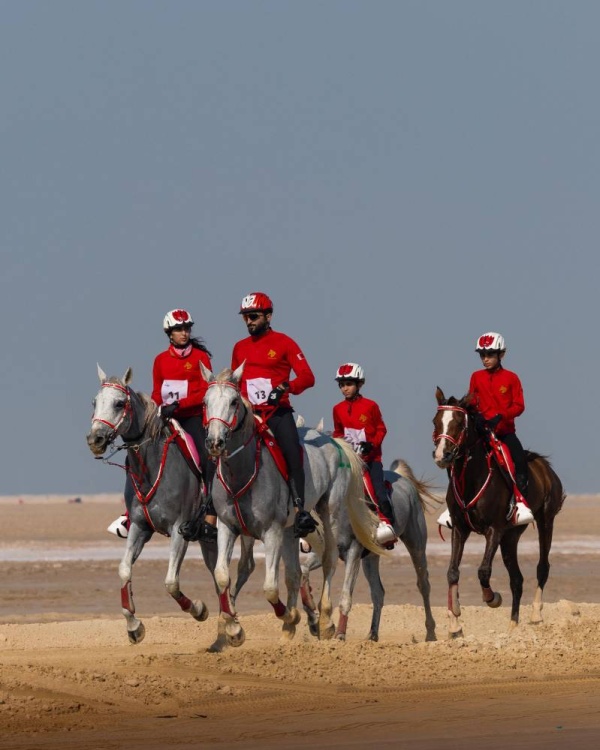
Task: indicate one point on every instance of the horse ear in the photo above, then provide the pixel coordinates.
(237, 375)
(128, 377)
(439, 396)
(101, 373)
(320, 426)
(206, 373)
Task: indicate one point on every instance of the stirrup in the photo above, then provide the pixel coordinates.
(522, 515)
(120, 527)
(385, 534)
(445, 519)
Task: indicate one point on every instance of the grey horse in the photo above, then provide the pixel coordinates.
(252, 499)
(409, 499)
(168, 490)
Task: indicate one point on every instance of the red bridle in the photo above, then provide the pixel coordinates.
(457, 442)
(231, 425)
(127, 409)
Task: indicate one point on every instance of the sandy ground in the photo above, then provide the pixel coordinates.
(69, 677)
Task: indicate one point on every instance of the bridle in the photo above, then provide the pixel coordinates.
(456, 442)
(127, 411)
(234, 422)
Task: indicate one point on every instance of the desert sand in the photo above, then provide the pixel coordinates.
(70, 678)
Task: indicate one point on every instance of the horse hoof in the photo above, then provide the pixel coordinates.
(430, 637)
(199, 611)
(373, 636)
(456, 634)
(137, 636)
(340, 637)
(235, 634)
(313, 629)
(327, 633)
(496, 601)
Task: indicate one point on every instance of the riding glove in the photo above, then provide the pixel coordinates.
(494, 422)
(276, 395)
(168, 410)
(365, 448)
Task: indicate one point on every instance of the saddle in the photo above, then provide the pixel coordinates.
(188, 449)
(501, 455)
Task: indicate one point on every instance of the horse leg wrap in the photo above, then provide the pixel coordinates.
(487, 594)
(184, 602)
(453, 602)
(279, 608)
(225, 604)
(342, 624)
(127, 598)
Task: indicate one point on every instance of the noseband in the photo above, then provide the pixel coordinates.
(234, 423)
(456, 442)
(127, 410)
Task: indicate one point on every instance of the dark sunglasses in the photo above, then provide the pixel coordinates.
(252, 316)
(181, 328)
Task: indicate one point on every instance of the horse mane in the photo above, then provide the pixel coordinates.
(152, 425)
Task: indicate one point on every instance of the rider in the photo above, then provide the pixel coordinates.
(178, 388)
(358, 420)
(269, 358)
(498, 398)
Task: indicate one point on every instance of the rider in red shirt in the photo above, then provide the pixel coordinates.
(270, 357)
(497, 395)
(358, 420)
(178, 388)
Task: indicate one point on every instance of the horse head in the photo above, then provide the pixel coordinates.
(450, 427)
(224, 407)
(113, 411)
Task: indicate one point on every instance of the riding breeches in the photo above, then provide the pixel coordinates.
(283, 426)
(375, 469)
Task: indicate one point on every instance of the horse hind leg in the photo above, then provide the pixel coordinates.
(197, 609)
(491, 598)
(308, 603)
(545, 531)
(289, 615)
(136, 540)
(370, 566)
(329, 560)
(351, 569)
(419, 560)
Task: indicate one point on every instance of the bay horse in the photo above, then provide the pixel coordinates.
(409, 498)
(479, 498)
(252, 499)
(168, 491)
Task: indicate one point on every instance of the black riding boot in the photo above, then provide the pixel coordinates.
(386, 508)
(197, 530)
(304, 523)
(522, 481)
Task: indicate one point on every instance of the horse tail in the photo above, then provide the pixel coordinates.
(424, 488)
(363, 520)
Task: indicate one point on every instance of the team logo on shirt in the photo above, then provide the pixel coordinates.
(503, 389)
(188, 366)
(271, 354)
(362, 418)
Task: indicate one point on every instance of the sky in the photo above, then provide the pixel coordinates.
(399, 176)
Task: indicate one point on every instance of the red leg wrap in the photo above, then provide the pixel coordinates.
(127, 598)
(279, 608)
(184, 602)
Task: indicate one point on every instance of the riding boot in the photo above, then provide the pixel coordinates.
(197, 529)
(522, 481)
(386, 509)
(304, 523)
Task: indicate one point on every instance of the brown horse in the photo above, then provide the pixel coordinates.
(479, 499)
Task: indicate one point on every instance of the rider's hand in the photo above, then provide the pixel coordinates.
(365, 448)
(168, 410)
(494, 422)
(276, 395)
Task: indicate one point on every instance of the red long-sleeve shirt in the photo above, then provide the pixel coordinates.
(359, 420)
(270, 358)
(498, 392)
(179, 379)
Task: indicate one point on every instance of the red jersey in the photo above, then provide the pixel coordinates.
(498, 392)
(359, 420)
(270, 358)
(177, 378)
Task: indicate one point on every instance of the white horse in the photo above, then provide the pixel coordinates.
(252, 498)
(409, 498)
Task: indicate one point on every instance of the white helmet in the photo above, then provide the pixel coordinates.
(350, 371)
(177, 318)
(490, 342)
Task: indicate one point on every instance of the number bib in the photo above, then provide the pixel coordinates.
(354, 436)
(173, 390)
(258, 390)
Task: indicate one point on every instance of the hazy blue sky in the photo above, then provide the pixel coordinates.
(399, 176)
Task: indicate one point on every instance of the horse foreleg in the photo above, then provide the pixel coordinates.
(229, 632)
(491, 598)
(329, 560)
(350, 575)
(312, 613)
(370, 566)
(419, 561)
(458, 545)
(291, 561)
(508, 547)
(136, 539)
(197, 609)
(245, 566)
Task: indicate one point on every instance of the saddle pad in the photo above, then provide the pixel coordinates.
(186, 445)
(268, 439)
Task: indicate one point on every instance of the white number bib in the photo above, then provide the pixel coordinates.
(258, 390)
(173, 390)
(354, 436)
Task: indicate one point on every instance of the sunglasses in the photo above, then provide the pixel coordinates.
(252, 316)
(181, 328)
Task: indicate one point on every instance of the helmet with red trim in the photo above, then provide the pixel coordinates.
(490, 342)
(256, 302)
(350, 371)
(177, 318)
